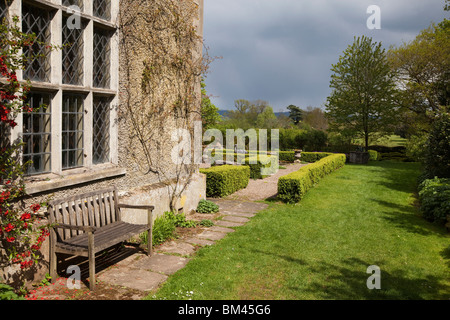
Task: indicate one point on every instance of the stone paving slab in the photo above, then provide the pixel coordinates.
(138, 279)
(224, 223)
(239, 206)
(177, 247)
(211, 235)
(161, 263)
(237, 214)
(236, 219)
(198, 241)
(221, 229)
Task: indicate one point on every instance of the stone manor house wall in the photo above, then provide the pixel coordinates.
(84, 139)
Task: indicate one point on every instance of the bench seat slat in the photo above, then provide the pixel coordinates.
(105, 237)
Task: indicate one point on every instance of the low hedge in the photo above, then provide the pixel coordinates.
(224, 180)
(287, 156)
(373, 155)
(253, 161)
(314, 156)
(434, 196)
(292, 187)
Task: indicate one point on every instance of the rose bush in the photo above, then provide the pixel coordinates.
(20, 235)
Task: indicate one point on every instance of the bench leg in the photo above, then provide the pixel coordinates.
(53, 264)
(91, 261)
(150, 231)
(149, 242)
(53, 258)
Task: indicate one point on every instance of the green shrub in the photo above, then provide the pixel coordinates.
(394, 156)
(314, 156)
(292, 187)
(437, 157)
(163, 229)
(206, 223)
(373, 155)
(206, 206)
(287, 156)
(224, 180)
(7, 293)
(434, 196)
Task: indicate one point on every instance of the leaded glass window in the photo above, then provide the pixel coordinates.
(100, 145)
(37, 133)
(72, 131)
(72, 54)
(78, 3)
(3, 10)
(102, 55)
(102, 9)
(37, 21)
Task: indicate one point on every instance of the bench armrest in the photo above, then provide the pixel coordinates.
(72, 227)
(135, 206)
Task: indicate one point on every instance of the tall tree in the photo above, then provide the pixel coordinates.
(422, 67)
(210, 113)
(295, 113)
(362, 102)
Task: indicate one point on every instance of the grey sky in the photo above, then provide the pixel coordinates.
(282, 50)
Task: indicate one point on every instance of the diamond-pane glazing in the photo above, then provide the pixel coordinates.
(102, 9)
(37, 21)
(102, 55)
(100, 146)
(72, 54)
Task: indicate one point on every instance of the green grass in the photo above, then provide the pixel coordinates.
(388, 141)
(320, 248)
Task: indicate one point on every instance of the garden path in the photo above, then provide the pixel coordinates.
(265, 188)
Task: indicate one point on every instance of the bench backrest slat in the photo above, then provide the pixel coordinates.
(96, 209)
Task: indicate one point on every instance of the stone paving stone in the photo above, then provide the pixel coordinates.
(238, 214)
(133, 278)
(162, 263)
(211, 235)
(236, 219)
(223, 223)
(178, 247)
(220, 229)
(200, 242)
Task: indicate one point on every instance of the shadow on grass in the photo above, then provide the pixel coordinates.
(348, 280)
(409, 219)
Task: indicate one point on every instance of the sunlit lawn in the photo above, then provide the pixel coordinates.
(361, 215)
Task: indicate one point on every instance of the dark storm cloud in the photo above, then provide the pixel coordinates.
(282, 50)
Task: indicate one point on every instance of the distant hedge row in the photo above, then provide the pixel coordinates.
(224, 180)
(292, 187)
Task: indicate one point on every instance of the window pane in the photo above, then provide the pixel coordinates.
(100, 143)
(36, 133)
(101, 64)
(72, 54)
(72, 131)
(102, 9)
(3, 10)
(37, 21)
(78, 3)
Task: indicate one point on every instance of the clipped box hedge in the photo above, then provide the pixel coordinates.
(256, 165)
(292, 187)
(314, 156)
(224, 180)
(287, 156)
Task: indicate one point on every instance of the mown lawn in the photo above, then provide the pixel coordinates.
(361, 215)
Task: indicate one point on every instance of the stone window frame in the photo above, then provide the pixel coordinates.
(54, 85)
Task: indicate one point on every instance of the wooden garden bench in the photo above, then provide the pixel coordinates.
(85, 224)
